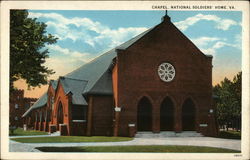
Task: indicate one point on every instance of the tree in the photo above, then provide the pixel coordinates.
(237, 86)
(237, 81)
(27, 39)
(229, 102)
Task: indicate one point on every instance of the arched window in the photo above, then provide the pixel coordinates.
(60, 113)
(144, 115)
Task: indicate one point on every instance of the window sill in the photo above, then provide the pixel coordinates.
(81, 121)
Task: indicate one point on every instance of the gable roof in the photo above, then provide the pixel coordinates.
(91, 78)
(42, 101)
(54, 83)
(76, 87)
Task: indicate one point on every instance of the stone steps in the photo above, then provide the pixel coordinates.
(168, 134)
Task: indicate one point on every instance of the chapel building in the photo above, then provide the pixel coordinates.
(157, 81)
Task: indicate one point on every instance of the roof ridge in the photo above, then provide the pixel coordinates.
(75, 79)
(69, 87)
(93, 60)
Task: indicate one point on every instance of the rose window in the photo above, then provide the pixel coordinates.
(166, 72)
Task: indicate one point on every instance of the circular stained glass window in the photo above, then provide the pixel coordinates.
(166, 72)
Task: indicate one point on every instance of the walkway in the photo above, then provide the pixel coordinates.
(190, 141)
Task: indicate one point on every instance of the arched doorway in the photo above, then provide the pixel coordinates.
(144, 115)
(59, 115)
(167, 115)
(188, 115)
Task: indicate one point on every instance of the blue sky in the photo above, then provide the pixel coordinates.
(83, 35)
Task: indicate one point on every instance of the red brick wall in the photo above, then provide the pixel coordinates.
(138, 76)
(66, 104)
(102, 120)
(79, 128)
(51, 93)
(17, 97)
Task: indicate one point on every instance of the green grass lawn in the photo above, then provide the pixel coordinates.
(71, 139)
(21, 132)
(149, 148)
(229, 134)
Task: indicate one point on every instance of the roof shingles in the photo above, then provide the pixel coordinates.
(42, 101)
(76, 87)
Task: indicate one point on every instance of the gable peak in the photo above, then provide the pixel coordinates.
(166, 18)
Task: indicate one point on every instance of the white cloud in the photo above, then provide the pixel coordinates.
(80, 28)
(223, 44)
(225, 24)
(221, 24)
(220, 45)
(206, 44)
(204, 41)
(113, 38)
(85, 57)
(208, 51)
(212, 50)
(238, 41)
(95, 34)
(210, 45)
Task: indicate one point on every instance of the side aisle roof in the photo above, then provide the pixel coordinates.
(42, 101)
